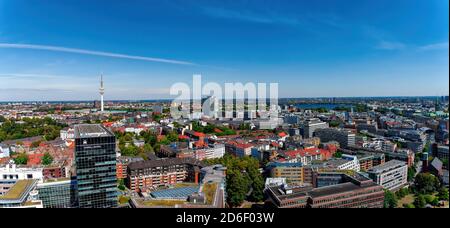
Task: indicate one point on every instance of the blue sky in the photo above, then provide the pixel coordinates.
(55, 50)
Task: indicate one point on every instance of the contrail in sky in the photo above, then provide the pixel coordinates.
(90, 52)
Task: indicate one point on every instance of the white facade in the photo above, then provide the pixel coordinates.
(12, 172)
(352, 164)
(4, 151)
(391, 175)
(67, 134)
(134, 130)
(218, 151)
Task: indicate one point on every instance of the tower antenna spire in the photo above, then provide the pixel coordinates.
(102, 92)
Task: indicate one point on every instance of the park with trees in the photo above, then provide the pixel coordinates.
(426, 190)
(30, 127)
(244, 180)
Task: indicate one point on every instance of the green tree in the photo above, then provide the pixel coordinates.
(443, 193)
(35, 144)
(47, 159)
(445, 162)
(337, 155)
(402, 193)
(237, 186)
(390, 200)
(156, 117)
(335, 123)
(121, 184)
(244, 181)
(130, 150)
(148, 148)
(420, 201)
(172, 136)
(429, 199)
(21, 159)
(411, 173)
(426, 183)
(257, 185)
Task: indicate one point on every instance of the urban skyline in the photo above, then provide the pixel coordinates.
(311, 51)
(224, 104)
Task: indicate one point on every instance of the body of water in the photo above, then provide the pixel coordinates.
(329, 106)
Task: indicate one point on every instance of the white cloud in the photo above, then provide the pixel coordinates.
(90, 52)
(387, 45)
(30, 76)
(436, 46)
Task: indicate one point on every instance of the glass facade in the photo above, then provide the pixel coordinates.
(56, 195)
(95, 159)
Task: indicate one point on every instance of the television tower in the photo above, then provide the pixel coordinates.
(102, 92)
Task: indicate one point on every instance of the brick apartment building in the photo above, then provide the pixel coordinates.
(145, 175)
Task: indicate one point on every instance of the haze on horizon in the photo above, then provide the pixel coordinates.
(57, 50)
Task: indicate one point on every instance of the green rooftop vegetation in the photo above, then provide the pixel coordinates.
(17, 190)
(209, 189)
(182, 185)
(124, 199)
(31, 203)
(56, 180)
(162, 203)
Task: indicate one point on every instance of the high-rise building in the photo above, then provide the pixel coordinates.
(95, 160)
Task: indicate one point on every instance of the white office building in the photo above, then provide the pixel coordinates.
(392, 175)
(12, 172)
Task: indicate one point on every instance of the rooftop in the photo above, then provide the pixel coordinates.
(163, 162)
(175, 193)
(387, 166)
(91, 131)
(334, 189)
(18, 190)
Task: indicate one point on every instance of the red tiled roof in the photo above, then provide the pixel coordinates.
(34, 159)
(183, 137)
(282, 134)
(244, 146)
(199, 134)
(200, 144)
(108, 124)
(305, 152)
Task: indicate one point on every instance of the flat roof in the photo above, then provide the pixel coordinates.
(387, 166)
(164, 162)
(17, 190)
(334, 189)
(296, 192)
(175, 193)
(91, 131)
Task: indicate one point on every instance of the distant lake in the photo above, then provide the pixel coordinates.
(328, 106)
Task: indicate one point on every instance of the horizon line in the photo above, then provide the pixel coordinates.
(165, 99)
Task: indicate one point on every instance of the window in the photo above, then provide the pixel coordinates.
(29, 176)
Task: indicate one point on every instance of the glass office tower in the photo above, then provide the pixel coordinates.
(95, 159)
